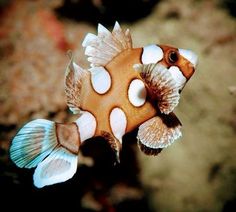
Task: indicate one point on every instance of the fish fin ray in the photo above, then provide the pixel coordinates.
(33, 143)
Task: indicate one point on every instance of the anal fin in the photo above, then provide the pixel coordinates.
(158, 132)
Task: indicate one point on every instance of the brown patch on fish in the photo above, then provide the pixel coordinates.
(68, 136)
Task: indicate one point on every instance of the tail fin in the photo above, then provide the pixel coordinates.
(52, 147)
(35, 141)
(106, 45)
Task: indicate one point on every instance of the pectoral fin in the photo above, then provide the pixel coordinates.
(158, 132)
(161, 84)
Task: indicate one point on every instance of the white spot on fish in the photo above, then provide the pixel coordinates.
(101, 80)
(152, 54)
(87, 125)
(137, 93)
(118, 122)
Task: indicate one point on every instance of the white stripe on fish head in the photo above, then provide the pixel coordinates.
(177, 76)
(190, 56)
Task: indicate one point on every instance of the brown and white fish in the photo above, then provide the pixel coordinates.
(125, 88)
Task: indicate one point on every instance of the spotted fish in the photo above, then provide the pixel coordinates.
(125, 88)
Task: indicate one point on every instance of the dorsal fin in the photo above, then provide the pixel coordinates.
(102, 48)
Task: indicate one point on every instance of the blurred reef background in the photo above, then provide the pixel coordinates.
(196, 173)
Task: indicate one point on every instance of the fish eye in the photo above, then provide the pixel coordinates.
(173, 57)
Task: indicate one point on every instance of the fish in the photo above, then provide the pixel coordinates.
(123, 89)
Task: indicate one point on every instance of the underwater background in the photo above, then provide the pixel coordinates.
(196, 173)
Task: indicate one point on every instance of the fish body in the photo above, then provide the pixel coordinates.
(122, 74)
(125, 88)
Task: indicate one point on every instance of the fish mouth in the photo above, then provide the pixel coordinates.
(190, 56)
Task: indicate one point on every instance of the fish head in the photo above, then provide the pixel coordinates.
(181, 63)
